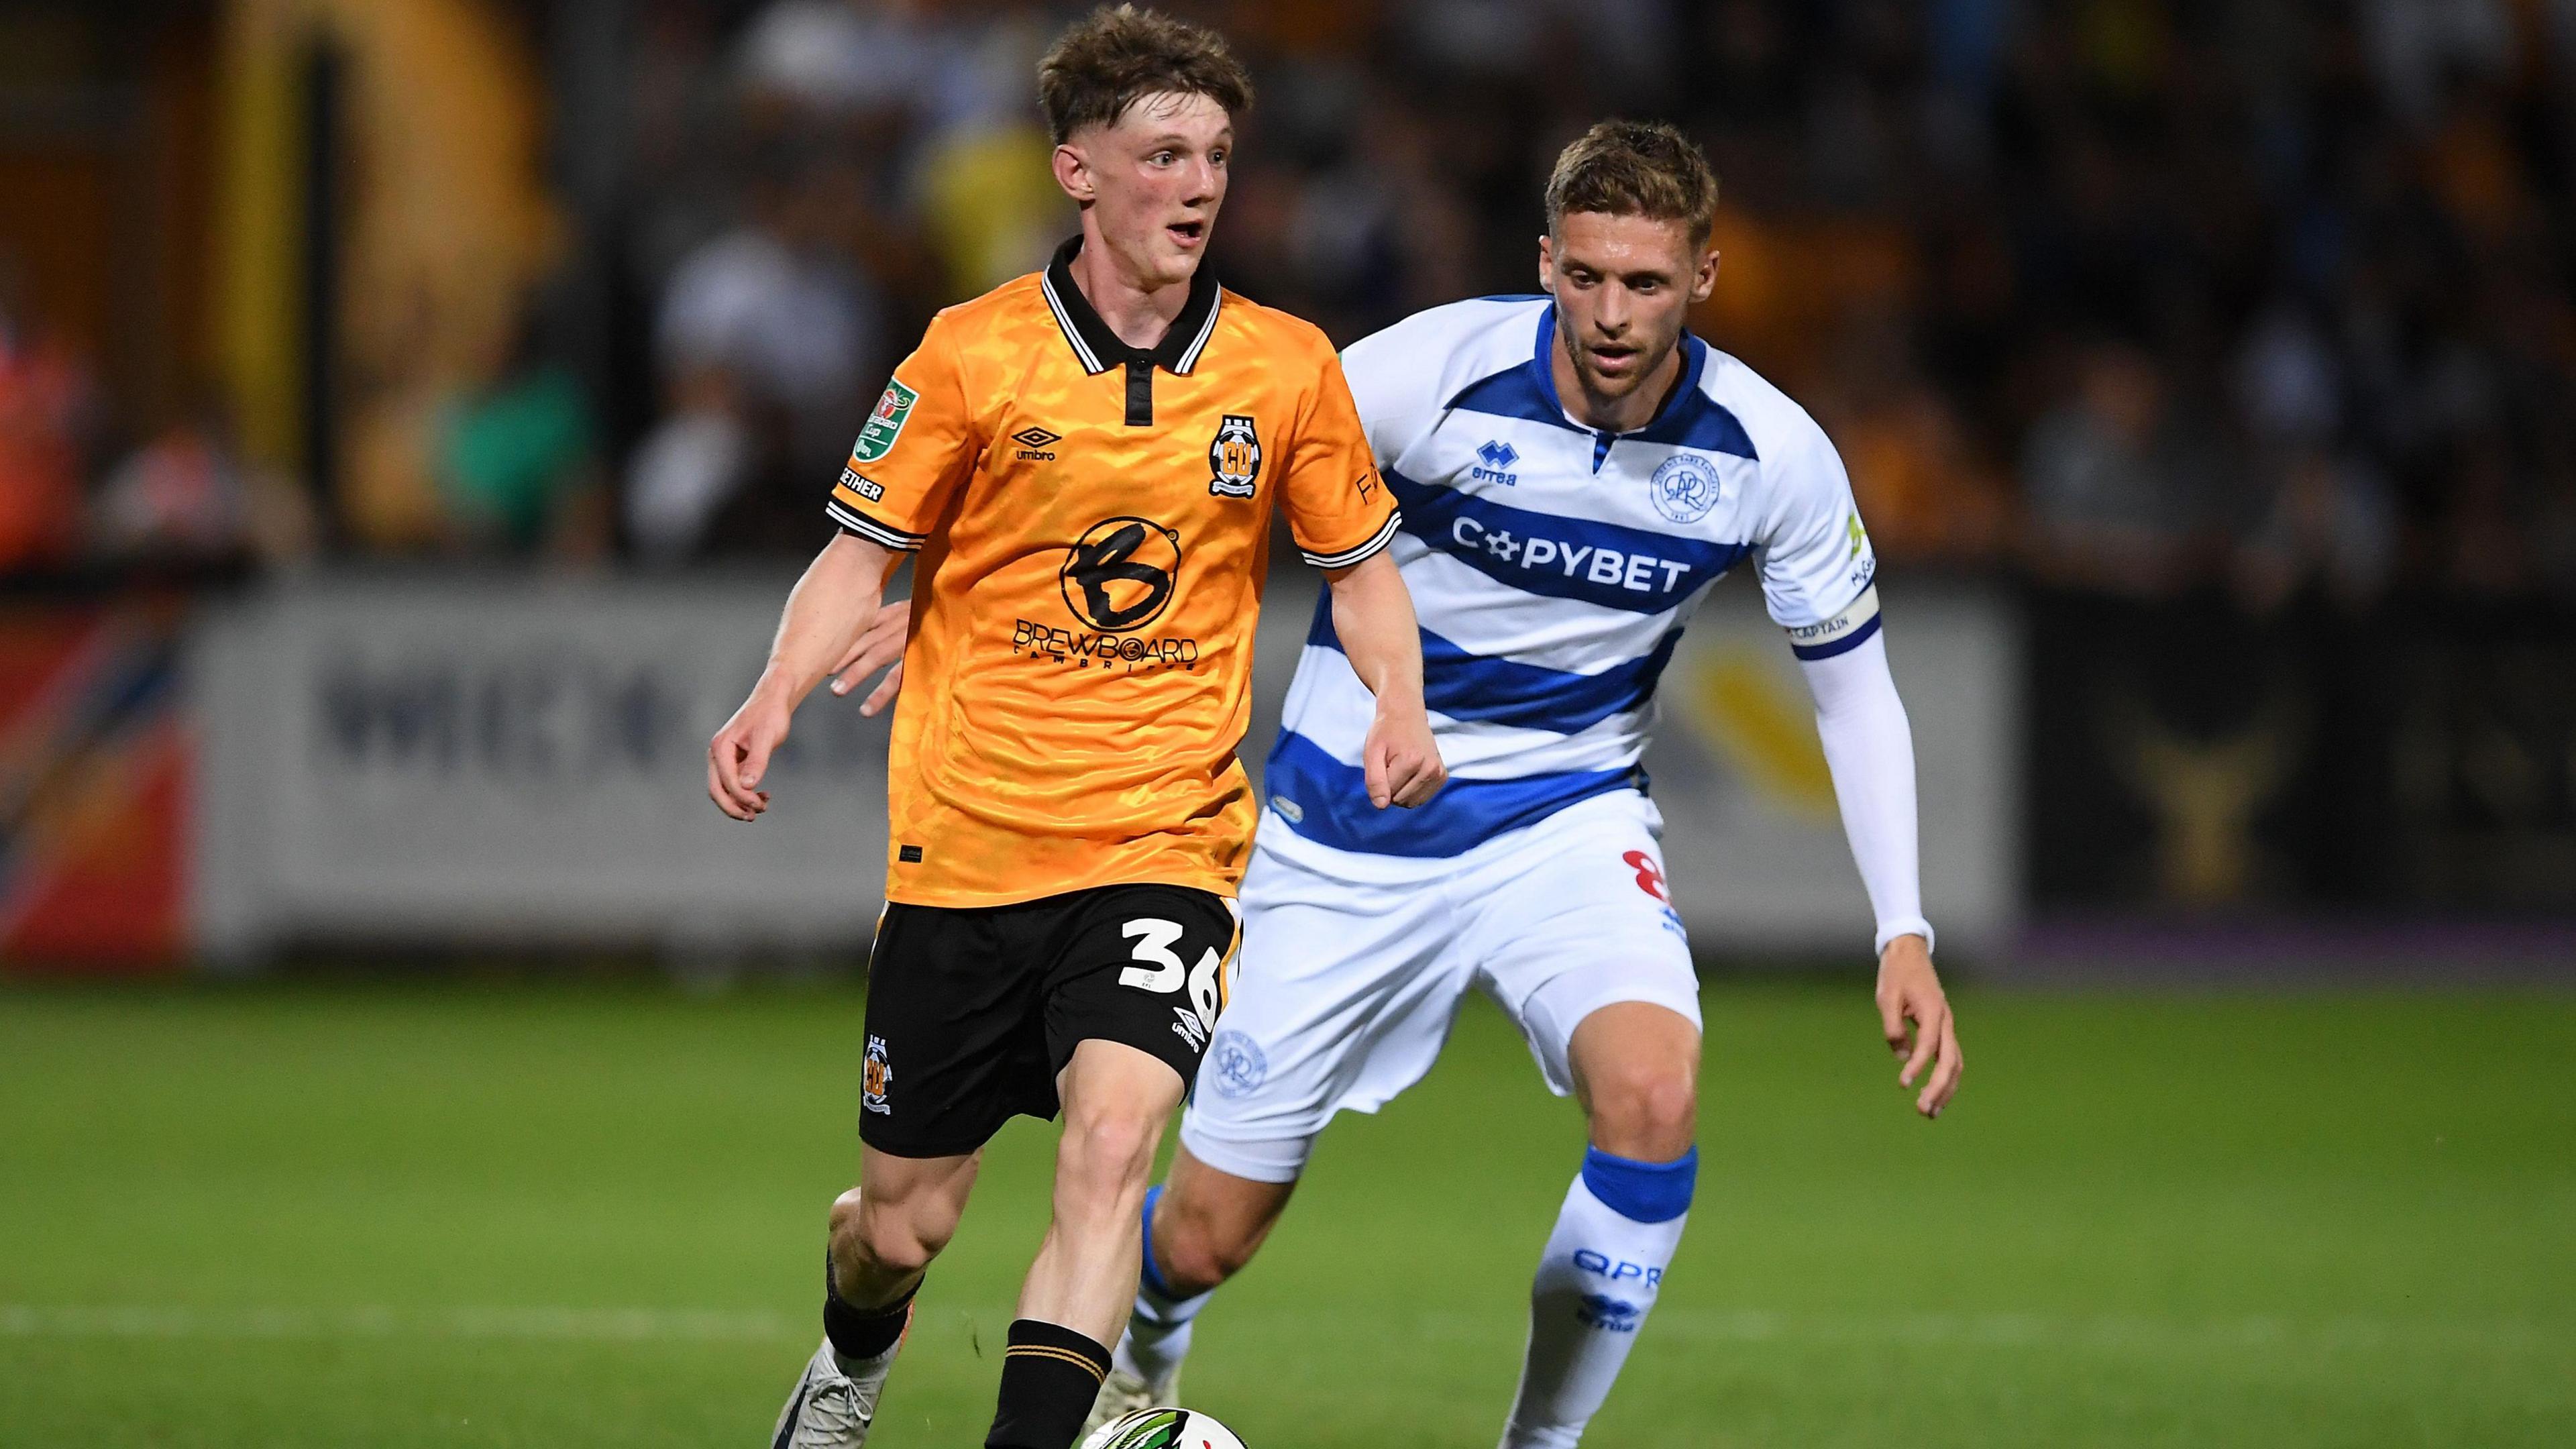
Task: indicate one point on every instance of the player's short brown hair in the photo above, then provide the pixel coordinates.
(1118, 54)
(1634, 168)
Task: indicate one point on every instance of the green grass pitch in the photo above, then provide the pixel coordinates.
(288, 1216)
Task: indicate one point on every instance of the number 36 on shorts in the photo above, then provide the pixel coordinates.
(1165, 972)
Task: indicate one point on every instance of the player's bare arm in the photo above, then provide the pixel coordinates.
(880, 646)
(1374, 616)
(1915, 1015)
(822, 628)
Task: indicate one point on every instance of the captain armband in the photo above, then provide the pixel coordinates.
(1847, 629)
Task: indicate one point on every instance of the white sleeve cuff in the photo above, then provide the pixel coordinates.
(1351, 557)
(1906, 926)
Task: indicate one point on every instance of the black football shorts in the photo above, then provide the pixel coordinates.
(972, 1011)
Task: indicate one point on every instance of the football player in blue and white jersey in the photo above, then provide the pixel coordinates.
(1575, 472)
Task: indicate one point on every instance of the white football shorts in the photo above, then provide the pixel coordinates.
(1345, 988)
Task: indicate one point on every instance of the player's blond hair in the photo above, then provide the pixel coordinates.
(1119, 54)
(1634, 168)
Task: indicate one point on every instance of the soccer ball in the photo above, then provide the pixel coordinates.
(1163, 1429)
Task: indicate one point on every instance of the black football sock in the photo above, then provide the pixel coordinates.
(860, 1334)
(1050, 1376)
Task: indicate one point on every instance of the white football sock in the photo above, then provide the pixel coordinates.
(1604, 1264)
(1158, 1333)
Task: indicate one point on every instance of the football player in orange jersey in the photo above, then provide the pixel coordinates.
(1086, 461)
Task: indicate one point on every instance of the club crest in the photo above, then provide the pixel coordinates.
(1234, 457)
(1684, 488)
(1238, 1063)
(875, 1075)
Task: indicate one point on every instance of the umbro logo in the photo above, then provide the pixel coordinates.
(1612, 1315)
(1034, 443)
(1494, 463)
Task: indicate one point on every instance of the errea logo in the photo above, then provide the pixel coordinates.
(1494, 462)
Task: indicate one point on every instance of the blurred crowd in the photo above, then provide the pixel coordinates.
(2137, 296)
(70, 494)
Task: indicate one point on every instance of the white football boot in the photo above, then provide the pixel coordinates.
(832, 1408)
(1126, 1389)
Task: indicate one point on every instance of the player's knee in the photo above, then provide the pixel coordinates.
(1645, 1112)
(887, 1237)
(898, 1246)
(1106, 1154)
(1197, 1252)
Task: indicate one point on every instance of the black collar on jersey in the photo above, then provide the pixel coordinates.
(1099, 349)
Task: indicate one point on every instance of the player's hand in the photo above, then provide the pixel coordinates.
(739, 755)
(1402, 760)
(880, 644)
(1910, 996)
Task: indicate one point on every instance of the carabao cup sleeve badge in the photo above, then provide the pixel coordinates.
(886, 423)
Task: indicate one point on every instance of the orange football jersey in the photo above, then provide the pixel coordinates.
(1093, 524)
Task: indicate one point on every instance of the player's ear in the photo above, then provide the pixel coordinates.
(1546, 265)
(1073, 173)
(1704, 281)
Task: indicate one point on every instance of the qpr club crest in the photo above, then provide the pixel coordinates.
(1238, 1064)
(1684, 488)
(1234, 457)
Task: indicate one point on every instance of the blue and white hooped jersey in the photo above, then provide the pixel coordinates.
(1553, 568)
